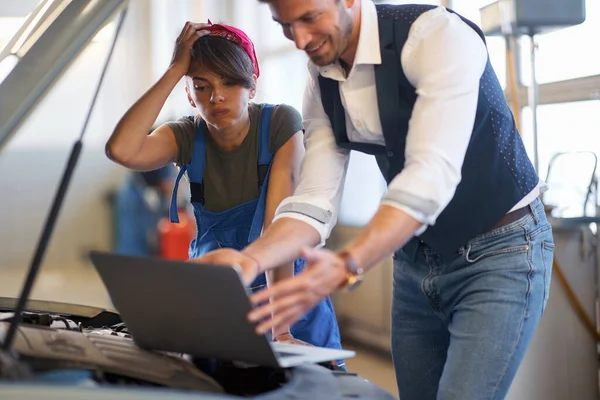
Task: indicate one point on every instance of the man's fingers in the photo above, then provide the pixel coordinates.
(288, 316)
(308, 253)
(268, 308)
(280, 289)
(261, 296)
(277, 306)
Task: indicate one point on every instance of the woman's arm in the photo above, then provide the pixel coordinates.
(130, 145)
(283, 179)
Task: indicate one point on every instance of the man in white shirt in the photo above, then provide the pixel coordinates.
(473, 250)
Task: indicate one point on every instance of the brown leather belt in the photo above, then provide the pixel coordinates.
(512, 216)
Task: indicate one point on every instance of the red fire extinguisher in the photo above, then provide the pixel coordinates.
(175, 238)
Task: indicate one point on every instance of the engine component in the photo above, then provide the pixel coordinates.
(112, 358)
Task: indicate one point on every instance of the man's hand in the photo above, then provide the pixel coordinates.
(292, 298)
(182, 54)
(232, 257)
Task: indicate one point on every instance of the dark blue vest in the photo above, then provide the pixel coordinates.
(496, 173)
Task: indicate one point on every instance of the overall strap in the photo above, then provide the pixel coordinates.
(195, 170)
(173, 216)
(265, 157)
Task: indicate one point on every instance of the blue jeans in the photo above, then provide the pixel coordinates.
(460, 326)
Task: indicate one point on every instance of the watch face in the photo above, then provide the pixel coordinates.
(353, 283)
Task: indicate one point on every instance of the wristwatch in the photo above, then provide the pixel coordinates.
(354, 273)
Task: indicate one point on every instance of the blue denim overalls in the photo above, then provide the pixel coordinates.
(238, 226)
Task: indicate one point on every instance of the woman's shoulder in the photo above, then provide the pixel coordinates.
(285, 122)
(184, 123)
(281, 111)
(183, 130)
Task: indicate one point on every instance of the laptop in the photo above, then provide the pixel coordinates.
(196, 309)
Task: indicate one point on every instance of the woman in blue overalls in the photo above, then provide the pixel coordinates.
(220, 70)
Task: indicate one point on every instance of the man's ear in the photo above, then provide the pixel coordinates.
(189, 97)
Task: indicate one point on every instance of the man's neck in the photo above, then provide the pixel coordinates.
(349, 54)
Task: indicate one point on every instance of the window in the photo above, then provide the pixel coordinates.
(8, 27)
(283, 78)
(563, 53)
(58, 118)
(12, 15)
(566, 53)
(271, 36)
(565, 128)
(470, 8)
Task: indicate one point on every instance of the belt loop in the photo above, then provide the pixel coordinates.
(536, 218)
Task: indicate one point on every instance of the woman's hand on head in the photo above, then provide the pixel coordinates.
(182, 54)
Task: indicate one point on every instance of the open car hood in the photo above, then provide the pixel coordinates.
(55, 33)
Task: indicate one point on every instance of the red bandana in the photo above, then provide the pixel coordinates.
(236, 36)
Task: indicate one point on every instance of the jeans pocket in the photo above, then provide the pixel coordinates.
(547, 261)
(472, 255)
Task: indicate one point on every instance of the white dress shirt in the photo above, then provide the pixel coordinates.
(444, 59)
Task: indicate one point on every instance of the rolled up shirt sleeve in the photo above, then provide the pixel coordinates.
(317, 198)
(444, 60)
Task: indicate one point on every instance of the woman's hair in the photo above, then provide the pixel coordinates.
(224, 57)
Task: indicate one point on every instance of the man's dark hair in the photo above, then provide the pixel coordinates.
(224, 57)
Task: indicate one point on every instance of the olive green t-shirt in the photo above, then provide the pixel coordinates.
(231, 177)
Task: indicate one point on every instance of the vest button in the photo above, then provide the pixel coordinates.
(390, 154)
